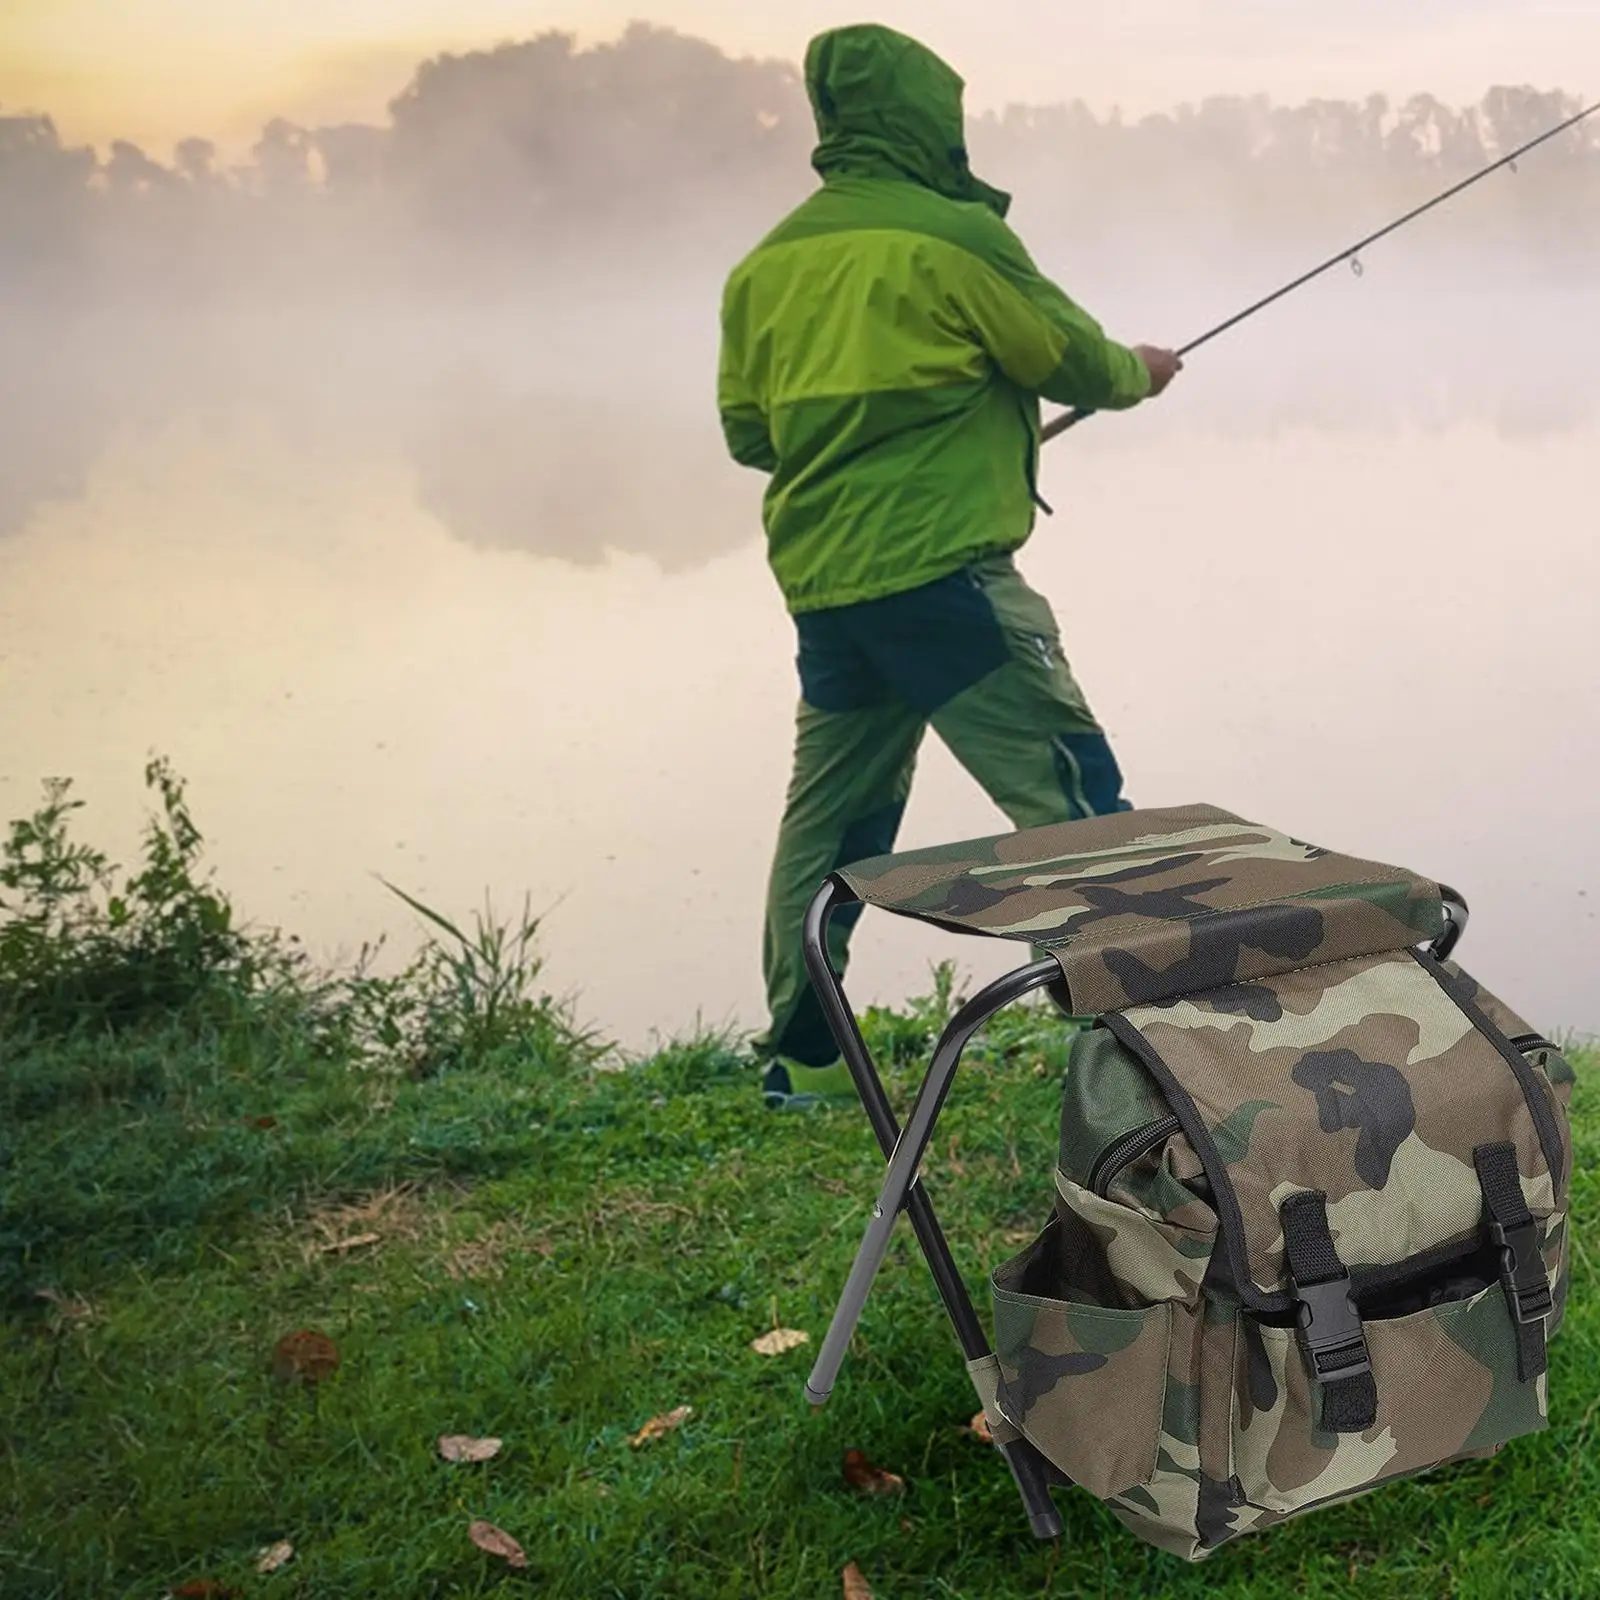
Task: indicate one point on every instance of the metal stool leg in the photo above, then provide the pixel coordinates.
(1026, 1464)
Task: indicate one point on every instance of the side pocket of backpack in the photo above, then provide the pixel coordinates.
(1085, 1322)
(1085, 1383)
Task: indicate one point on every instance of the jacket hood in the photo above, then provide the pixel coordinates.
(888, 107)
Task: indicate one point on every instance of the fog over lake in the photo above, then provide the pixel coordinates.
(448, 580)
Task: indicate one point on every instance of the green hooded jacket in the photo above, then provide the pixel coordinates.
(884, 348)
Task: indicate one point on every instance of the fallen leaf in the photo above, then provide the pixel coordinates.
(259, 1122)
(354, 1242)
(305, 1355)
(1017, 1235)
(855, 1586)
(860, 1474)
(778, 1341)
(462, 1447)
(979, 1428)
(905, 1524)
(74, 1310)
(274, 1556)
(202, 1589)
(497, 1542)
(665, 1423)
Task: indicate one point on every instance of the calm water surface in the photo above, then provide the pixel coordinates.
(1384, 643)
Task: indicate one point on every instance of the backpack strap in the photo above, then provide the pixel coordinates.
(1327, 1325)
(1522, 1269)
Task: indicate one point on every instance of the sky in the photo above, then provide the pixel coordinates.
(155, 71)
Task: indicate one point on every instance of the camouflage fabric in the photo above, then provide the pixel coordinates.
(1362, 1080)
(1447, 1382)
(1145, 1341)
(1142, 905)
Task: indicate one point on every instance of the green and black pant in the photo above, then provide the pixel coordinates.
(977, 656)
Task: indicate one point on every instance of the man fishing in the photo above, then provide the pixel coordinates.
(884, 351)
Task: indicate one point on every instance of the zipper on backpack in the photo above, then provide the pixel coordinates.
(1527, 1043)
(1127, 1150)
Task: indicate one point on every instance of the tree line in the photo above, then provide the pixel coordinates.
(662, 139)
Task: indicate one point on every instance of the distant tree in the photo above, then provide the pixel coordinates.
(131, 171)
(543, 137)
(44, 203)
(34, 163)
(1515, 115)
(352, 155)
(195, 161)
(282, 157)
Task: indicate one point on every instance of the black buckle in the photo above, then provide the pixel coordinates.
(1328, 1324)
(1522, 1270)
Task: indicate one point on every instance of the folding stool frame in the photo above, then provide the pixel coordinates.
(904, 1149)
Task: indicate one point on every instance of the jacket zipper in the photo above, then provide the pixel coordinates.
(1028, 476)
(1126, 1150)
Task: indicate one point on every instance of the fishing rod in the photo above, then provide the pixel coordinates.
(1069, 419)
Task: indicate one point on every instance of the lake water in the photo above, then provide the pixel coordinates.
(1384, 642)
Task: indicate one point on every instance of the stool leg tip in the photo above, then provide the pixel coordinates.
(1046, 1524)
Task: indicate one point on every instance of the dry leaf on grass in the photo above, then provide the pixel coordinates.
(979, 1428)
(1018, 1235)
(665, 1423)
(462, 1447)
(860, 1474)
(354, 1242)
(778, 1341)
(69, 1306)
(402, 1214)
(855, 1586)
(304, 1355)
(497, 1542)
(274, 1556)
(202, 1589)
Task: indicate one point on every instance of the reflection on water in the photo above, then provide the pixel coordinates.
(1381, 640)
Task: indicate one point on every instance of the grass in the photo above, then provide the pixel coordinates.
(507, 1236)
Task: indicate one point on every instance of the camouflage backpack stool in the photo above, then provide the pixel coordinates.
(1309, 1210)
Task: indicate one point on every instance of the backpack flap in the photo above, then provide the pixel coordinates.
(1369, 1139)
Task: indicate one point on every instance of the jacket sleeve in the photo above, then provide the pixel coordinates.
(744, 421)
(1036, 335)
